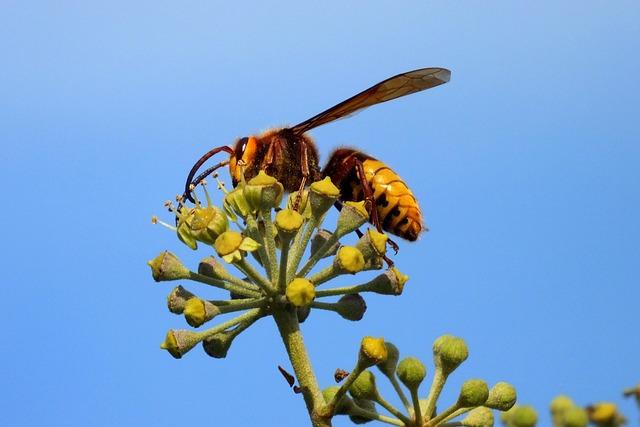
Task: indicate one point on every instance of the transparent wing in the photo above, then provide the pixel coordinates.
(392, 88)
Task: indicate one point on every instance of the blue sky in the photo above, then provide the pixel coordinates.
(525, 164)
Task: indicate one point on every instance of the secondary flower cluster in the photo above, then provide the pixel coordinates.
(565, 413)
(475, 399)
(267, 247)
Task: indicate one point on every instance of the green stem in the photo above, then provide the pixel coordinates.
(249, 315)
(254, 275)
(324, 275)
(417, 410)
(299, 245)
(344, 387)
(311, 262)
(283, 277)
(270, 232)
(453, 424)
(396, 386)
(342, 291)
(393, 410)
(434, 392)
(254, 233)
(457, 413)
(289, 328)
(237, 305)
(442, 416)
(238, 286)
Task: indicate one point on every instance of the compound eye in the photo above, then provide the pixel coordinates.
(241, 145)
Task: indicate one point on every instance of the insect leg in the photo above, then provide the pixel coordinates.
(199, 163)
(304, 169)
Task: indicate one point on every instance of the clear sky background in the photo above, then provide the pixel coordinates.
(526, 165)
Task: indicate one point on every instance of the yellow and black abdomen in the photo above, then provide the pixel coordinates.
(397, 207)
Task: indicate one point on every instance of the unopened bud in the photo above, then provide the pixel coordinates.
(479, 417)
(411, 372)
(367, 405)
(349, 260)
(502, 397)
(322, 196)
(198, 311)
(560, 404)
(230, 245)
(388, 366)
(351, 307)
(372, 351)
(180, 341)
(263, 192)
(473, 393)
(352, 216)
(183, 229)
(167, 266)
(449, 352)
(300, 292)
(391, 282)
(343, 405)
(602, 413)
(303, 312)
(177, 299)
(364, 387)
(211, 267)
(523, 416)
(288, 222)
(318, 241)
(372, 244)
(218, 345)
(235, 204)
(575, 417)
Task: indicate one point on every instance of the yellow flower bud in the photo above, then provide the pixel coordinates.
(349, 260)
(178, 342)
(207, 224)
(288, 222)
(603, 412)
(372, 351)
(235, 204)
(198, 311)
(300, 292)
(263, 192)
(228, 243)
(352, 216)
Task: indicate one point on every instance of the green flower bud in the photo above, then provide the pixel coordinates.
(198, 311)
(560, 404)
(449, 352)
(367, 405)
(211, 267)
(236, 205)
(349, 260)
(523, 416)
(352, 216)
(288, 222)
(300, 292)
(318, 241)
(502, 397)
(344, 404)
(411, 372)
(177, 299)
(351, 307)
(372, 351)
(575, 417)
(479, 417)
(167, 266)
(217, 346)
(372, 244)
(178, 342)
(207, 224)
(391, 282)
(473, 393)
(263, 192)
(388, 367)
(322, 196)
(304, 208)
(364, 387)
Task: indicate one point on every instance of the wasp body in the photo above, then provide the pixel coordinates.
(291, 156)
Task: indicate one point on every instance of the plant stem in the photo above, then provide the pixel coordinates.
(396, 386)
(299, 245)
(434, 392)
(416, 406)
(289, 328)
(270, 232)
(283, 276)
(392, 409)
(231, 287)
(361, 412)
(252, 273)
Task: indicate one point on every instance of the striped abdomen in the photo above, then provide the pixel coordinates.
(397, 208)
